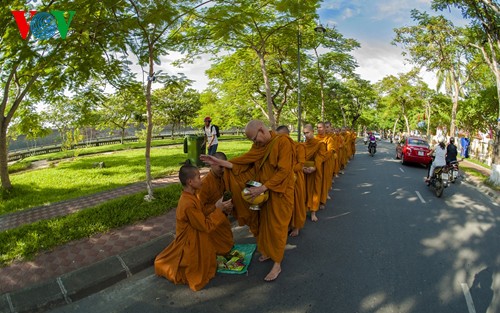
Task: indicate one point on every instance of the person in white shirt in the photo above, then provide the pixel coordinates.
(210, 136)
(439, 152)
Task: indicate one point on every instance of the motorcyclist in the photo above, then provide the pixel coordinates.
(372, 140)
(439, 159)
(451, 151)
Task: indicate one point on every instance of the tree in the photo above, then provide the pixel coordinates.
(121, 108)
(149, 33)
(176, 103)
(436, 44)
(485, 29)
(251, 25)
(37, 70)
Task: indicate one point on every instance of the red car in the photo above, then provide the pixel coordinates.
(414, 150)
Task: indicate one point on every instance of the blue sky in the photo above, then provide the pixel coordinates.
(370, 22)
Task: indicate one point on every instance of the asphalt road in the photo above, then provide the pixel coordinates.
(384, 244)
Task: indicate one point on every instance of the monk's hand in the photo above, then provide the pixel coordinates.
(255, 191)
(208, 159)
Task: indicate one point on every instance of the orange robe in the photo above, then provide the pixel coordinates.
(299, 201)
(315, 151)
(190, 258)
(336, 154)
(328, 166)
(210, 192)
(276, 174)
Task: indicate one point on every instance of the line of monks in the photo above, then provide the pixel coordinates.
(296, 177)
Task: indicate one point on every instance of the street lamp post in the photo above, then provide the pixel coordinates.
(299, 106)
(322, 30)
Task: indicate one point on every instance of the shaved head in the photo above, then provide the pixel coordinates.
(283, 130)
(257, 132)
(308, 131)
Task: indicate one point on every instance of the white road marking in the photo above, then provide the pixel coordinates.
(419, 196)
(468, 298)
(402, 170)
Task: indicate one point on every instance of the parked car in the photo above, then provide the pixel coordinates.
(414, 150)
(377, 135)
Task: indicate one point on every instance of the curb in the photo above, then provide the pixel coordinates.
(477, 184)
(83, 282)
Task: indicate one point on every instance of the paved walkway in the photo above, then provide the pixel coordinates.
(80, 253)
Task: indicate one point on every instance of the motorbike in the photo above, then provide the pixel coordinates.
(452, 170)
(439, 180)
(372, 147)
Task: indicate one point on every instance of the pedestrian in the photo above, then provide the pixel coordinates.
(212, 189)
(315, 154)
(328, 163)
(210, 136)
(299, 214)
(191, 257)
(271, 160)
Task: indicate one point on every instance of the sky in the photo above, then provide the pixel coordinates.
(370, 22)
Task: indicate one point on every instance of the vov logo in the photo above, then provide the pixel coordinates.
(43, 25)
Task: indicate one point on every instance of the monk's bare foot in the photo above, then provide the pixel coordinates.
(263, 258)
(328, 197)
(294, 232)
(273, 274)
(313, 217)
(322, 207)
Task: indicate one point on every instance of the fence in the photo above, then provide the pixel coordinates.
(19, 155)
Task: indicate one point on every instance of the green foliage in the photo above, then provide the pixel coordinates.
(24, 242)
(78, 177)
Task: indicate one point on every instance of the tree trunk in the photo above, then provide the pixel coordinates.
(394, 127)
(455, 106)
(495, 164)
(269, 100)
(407, 124)
(149, 184)
(4, 167)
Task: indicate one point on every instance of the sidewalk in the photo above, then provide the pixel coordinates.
(75, 270)
(79, 268)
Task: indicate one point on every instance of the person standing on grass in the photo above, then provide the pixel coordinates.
(191, 257)
(211, 140)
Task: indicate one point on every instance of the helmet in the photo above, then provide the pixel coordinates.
(207, 119)
(440, 139)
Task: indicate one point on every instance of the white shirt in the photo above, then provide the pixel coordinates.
(440, 156)
(210, 131)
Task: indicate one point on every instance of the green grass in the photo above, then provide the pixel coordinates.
(72, 178)
(24, 242)
(478, 174)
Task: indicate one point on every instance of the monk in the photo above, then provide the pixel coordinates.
(299, 201)
(315, 152)
(336, 163)
(328, 163)
(191, 258)
(272, 157)
(211, 191)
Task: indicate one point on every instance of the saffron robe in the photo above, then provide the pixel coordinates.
(211, 191)
(299, 201)
(315, 151)
(276, 173)
(190, 258)
(328, 165)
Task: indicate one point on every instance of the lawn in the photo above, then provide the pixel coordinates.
(76, 177)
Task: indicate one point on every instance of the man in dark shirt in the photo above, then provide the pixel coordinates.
(451, 151)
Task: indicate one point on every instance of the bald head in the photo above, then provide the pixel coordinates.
(321, 128)
(308, 131)
(283, 130)
(257, 132)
